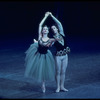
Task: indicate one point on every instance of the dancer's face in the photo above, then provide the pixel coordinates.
(54, 29)
(45, 30)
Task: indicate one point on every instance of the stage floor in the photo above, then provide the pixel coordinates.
(82, 77)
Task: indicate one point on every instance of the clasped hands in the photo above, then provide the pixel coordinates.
(48, 13)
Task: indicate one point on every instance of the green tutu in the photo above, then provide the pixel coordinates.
(39, 66)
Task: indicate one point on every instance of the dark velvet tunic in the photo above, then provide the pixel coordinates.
(42, 49)
(60, 46)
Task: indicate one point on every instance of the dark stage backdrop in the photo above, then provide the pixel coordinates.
(81, 22)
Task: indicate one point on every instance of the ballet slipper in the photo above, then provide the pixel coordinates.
(64, 89)
(58, 90)
(43, 89)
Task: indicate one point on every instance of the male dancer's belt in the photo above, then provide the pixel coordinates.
(63, 52)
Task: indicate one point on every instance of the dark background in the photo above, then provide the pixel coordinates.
(19, 22)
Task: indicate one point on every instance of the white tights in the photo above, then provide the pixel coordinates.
(61, 65)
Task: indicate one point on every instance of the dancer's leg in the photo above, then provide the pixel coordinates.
(58, 70)
(43, 87)
(63, 70)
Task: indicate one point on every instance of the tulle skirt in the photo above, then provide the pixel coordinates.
(39, 66)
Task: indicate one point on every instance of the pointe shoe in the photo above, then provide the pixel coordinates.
(64, 89)
(43, 89)
(58, 90)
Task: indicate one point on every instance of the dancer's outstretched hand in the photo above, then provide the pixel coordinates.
(35, 41)
(50, 14)
(47, 14)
